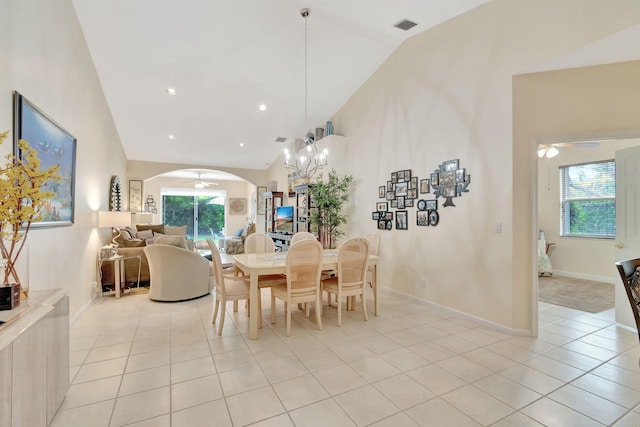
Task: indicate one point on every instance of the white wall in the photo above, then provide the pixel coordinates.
(587, 258)
(447, 94)
(44, 56)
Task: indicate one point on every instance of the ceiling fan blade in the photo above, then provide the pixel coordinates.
(577, 144)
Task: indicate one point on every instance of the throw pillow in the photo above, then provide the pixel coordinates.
(175, 230)
(156, 228)
(239, 232)
(134, 243)
(163, 239)
(146, 234)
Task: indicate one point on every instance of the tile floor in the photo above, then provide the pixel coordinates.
(139, 363)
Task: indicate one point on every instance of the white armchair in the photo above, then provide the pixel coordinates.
(177, 274)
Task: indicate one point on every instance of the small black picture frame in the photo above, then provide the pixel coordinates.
(402, 220)
(382, 190)
(375, 215)
(434, 217)
(382, 206)
(422, 218)
(425, 186)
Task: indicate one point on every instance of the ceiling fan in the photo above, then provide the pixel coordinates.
(551, 150)
(200, 183)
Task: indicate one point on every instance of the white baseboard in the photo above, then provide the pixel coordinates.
(605, 279)
(462, 314)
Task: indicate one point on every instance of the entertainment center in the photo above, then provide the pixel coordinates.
(281, 222)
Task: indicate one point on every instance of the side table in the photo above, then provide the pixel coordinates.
(119, 269)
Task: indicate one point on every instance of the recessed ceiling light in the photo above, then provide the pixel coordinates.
(171, 91)
(241, 144)
(262, 107)
(172, 137)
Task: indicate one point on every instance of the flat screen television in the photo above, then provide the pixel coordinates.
(284, 219)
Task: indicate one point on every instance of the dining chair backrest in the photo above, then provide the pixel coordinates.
(217, 266)
(630, 274)
(303, 265)
(302, 235)
(259, 243)
(374, 243)
(352, 261)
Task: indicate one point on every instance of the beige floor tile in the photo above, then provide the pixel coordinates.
(489, 359)
(352, 351)
(255, 405)
(103, 369)
(153, 359)
(379, 344)
(398, 420)
(366, 405)
(227, 344)
(464, 368)
(432, 352)
(195, 392)
(610, 390)
(160, 421)
(511, 351)
(203, 415)
(98, 354)
(148, 379)
(602, 410)
(374, 368)
(590, 350)
(144, 346)
(619, 375)
(282, 420)
(551, 413)
(478, 405)
(510, 392)
(77, 358)
(572, 358)
(517, 420)
(631, 419)
(191, 369)
(405, 337)
(140, 406)
(554, 368)
(94, 415)
(321, 414)
(437, 413)
(283, 369)
(533, 379)
(403, 391)
(91, 392)
(436, 379)
(339, 379)
(300, 391)
(317, 360)
(242, 380)
(404, 359)
(183, 353)
(455, 344)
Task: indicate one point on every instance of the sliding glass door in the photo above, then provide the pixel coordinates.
(202, 214)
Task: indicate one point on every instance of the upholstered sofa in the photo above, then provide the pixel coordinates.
(131, 243)
(177, 273)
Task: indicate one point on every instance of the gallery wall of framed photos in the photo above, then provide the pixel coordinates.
(404, 190)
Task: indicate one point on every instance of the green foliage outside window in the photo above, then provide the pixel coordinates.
(179, 210)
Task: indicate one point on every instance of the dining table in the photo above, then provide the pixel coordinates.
(254, 265)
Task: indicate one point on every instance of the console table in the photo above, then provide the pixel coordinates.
(34, 359)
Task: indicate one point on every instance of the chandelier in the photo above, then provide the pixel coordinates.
(303, 157)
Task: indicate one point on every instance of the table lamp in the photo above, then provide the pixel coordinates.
(115, 220)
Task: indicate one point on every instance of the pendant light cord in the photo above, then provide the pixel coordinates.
(305, 13)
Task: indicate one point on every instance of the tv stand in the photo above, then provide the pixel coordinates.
(281, 240)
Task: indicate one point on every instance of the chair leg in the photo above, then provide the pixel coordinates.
(288, 309)
(364, 305)
(307, 310)
(259, 309)
(223, 302)
(215, 311)
(235, 306)
(339, 304)
(273, 308)
(319, 312)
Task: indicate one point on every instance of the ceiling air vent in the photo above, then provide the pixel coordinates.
(405, 24)
(281, 139)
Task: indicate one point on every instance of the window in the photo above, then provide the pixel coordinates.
(588, 200)
(201, 212)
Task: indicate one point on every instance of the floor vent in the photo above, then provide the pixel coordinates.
(405, 24)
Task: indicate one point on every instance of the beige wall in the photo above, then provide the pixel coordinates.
(45, 58)
(586, 258)
(447, 94)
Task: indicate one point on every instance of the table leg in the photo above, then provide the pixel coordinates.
(116, 276)
(374, 282)
(254, 316)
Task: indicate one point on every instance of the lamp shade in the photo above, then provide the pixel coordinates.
(114, 219)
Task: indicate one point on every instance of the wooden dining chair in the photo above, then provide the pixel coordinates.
(630, 274)
(227, 287)
(303, 266)
(258, 243)
(302, 235)
(374, 249)
(353, 255)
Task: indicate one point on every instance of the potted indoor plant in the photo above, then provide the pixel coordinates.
(328, 197)
(23, 194)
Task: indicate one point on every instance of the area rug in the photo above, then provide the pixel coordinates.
(585, 295)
